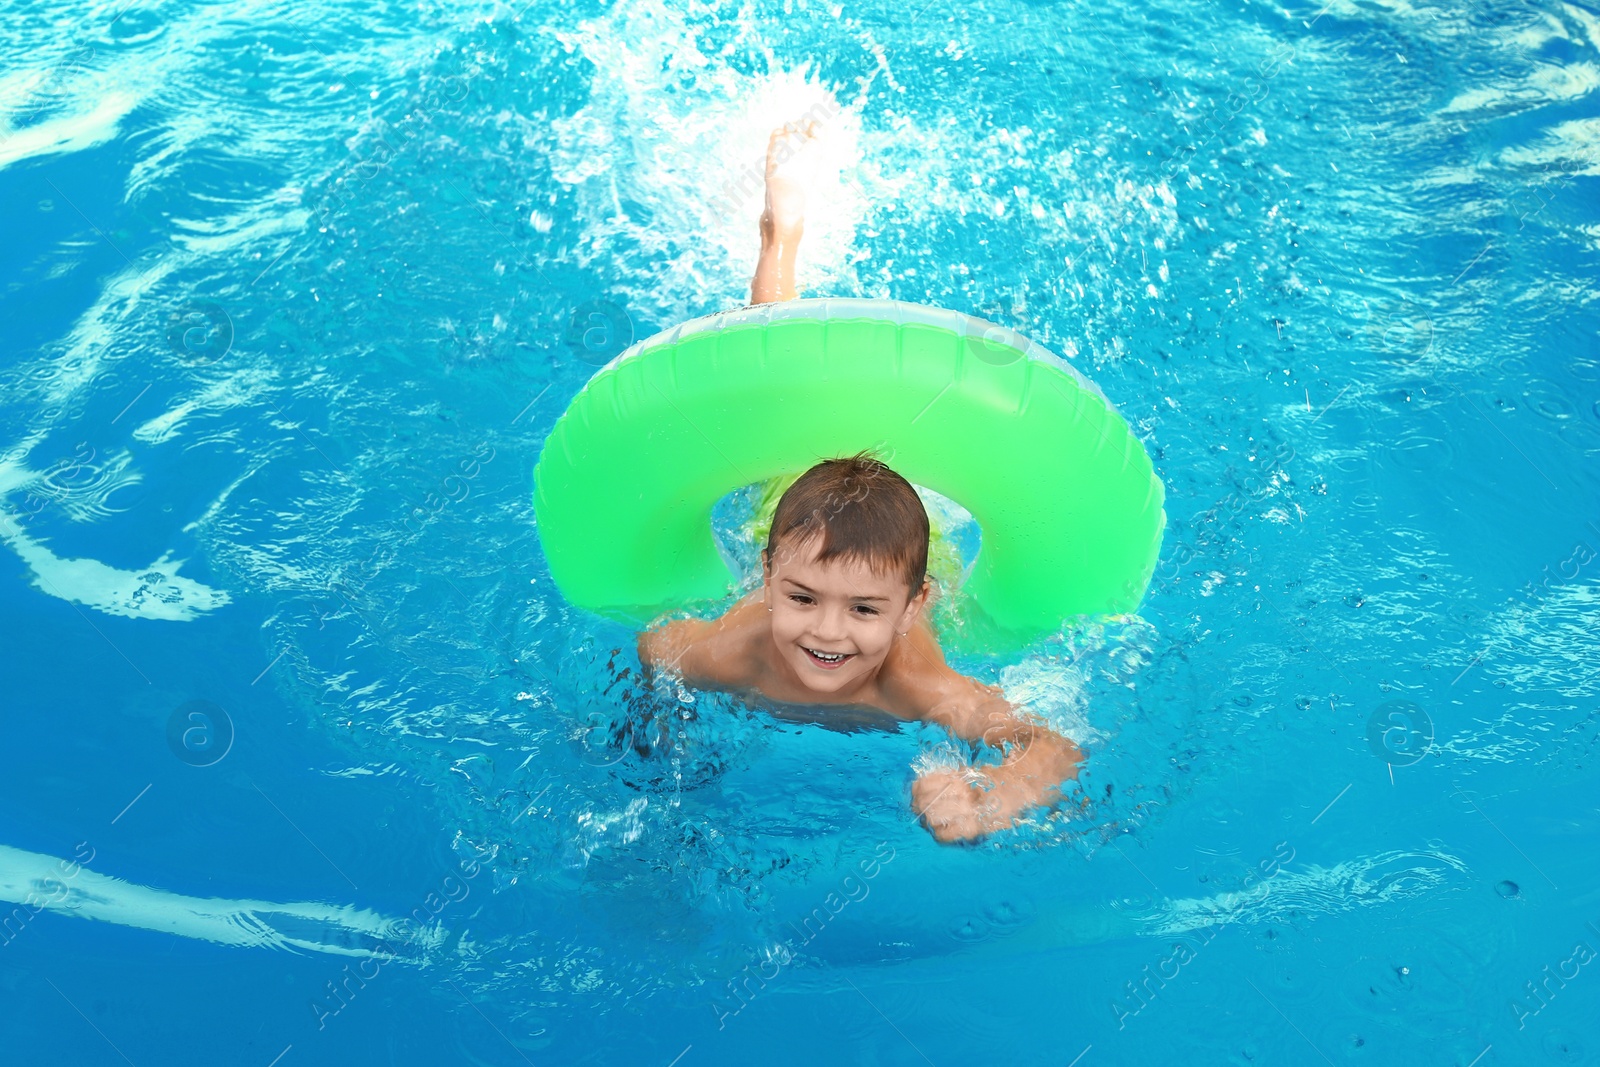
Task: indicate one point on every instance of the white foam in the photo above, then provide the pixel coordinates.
(1572, 146)
(102, 122)
(1053, 690)
(668, 157)
(1543, 84)
(206, 396)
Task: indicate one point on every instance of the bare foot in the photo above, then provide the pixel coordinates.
(790, 168)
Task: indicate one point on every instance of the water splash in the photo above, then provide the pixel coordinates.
(666, 161)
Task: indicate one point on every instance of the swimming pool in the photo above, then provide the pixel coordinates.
(294, 293)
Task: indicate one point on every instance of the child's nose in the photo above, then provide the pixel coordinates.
(832, 626)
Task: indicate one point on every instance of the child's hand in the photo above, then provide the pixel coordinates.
(952, 808)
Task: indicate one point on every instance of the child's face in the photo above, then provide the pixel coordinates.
(843, 609)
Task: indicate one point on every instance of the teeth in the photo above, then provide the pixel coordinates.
(827, 657)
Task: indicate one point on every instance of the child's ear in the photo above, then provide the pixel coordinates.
(915, 605)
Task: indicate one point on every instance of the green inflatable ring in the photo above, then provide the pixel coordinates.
(1069, 509)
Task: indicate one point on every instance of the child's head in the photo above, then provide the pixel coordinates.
(845, 569)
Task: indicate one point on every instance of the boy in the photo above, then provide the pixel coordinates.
(839, 618)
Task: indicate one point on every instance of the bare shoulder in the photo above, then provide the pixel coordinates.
(710, 653)
(917, 683)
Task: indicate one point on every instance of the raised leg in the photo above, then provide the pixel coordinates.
(789, 166)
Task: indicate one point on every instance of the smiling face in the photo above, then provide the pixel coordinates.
(833, 623)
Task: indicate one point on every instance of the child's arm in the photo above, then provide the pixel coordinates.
(1037, 761)
(670, 646)
(708, 654)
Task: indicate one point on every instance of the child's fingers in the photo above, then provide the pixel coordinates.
(926, 803)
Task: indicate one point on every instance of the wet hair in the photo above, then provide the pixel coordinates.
(865, 513)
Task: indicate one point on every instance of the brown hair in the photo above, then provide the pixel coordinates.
(864, 511)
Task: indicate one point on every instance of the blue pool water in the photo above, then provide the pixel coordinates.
(292, 294)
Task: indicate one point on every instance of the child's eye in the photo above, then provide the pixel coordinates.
(867, 610)
(799, 598)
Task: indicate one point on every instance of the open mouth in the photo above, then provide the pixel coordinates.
(826, 660)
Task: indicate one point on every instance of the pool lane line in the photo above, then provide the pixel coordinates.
(686, 1048)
